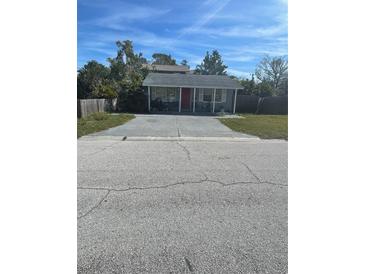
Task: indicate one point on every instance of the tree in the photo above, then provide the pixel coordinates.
(283, 87)
(163, 59)
(104, 89)
(273, 70)
(212, 65)
(184, 62)
(127, 72)
(127, 68)
(264, 89)
(89, 76)
(249, 85)
(234, 77)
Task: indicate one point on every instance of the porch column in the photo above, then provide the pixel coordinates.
(235, 99)
(194, 100)
(213, 100)
(149, 98)
(180, 100)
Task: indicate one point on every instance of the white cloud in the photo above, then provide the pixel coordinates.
(238, 58)
(259, 50)
(117, 18)
(209, 2)
(241, 31)
(116, 21)
(239, 73)
(205, 18)
(138, 36)
(100, 50)
(248, 25)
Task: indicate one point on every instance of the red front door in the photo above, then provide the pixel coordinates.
(185, 98)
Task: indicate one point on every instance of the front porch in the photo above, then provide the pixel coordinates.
(191, 100)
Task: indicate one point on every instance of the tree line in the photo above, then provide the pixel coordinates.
(270, 78)
(125, 73)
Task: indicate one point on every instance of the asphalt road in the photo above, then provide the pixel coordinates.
(182, 206)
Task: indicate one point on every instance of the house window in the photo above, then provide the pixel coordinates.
(171, 94)
(205, 95)
(158, 93)
(220, 95)
(165, 94)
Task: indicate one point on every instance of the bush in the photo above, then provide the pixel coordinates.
(132, 101)
(137, 101)
(98, 116)
(88, 77)
(104, 90)
(82, 122)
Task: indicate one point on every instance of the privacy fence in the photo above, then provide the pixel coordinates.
(262, 105)
(86, 107)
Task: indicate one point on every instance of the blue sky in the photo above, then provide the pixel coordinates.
(243, 31)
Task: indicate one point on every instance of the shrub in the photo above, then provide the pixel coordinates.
(132, 101)
(82, 122)
(98, 116)
(137, 101)
(104, 90)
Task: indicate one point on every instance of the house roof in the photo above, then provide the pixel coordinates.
(167, 68)
(191, 80)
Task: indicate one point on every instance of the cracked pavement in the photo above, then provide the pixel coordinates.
(182, 206)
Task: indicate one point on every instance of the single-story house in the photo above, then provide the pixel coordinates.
(191, 93)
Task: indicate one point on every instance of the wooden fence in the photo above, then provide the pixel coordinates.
(86, 107)
(247, 103)
(273, 105)
(262, 105)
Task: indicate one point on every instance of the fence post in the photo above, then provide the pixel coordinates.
(194, 100)
(214, 91)
(235, 99)
(180, 100)
(149, 98)
(258, 105)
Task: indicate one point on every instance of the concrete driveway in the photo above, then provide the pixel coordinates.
(172, 126)
(182, 206)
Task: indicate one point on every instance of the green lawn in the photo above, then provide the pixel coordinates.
(263, 126)
(100, 121)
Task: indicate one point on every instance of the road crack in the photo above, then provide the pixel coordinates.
(252, 173)
(177, 128)
(181, 183)
(203, 181)
(188, 263)
(104, 148)
(185, 150)
(96, 206)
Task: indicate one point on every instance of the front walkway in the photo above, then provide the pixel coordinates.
(150, 125)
